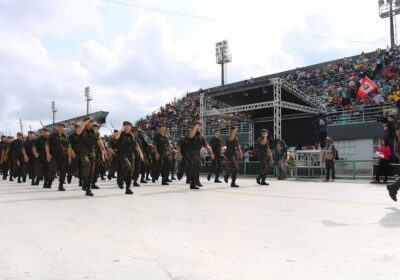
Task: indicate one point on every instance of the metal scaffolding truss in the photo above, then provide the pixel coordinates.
(284, 118)
(241, 108)
(313, 109)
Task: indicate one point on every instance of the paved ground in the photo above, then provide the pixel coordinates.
(289, 230)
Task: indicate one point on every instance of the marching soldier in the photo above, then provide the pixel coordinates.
(126, 147)
(184, 157)
(216, 165)
(3, 149)
(98, 160)
(138, 160)
(162, 153)
(112, 156)
(233, 147)
(7, 160)
(31, 164)
(75, 165)
(19, 157)
(58, 155)
(173, 156)
(195, 142)
(146, 163)
(89, 138)
(39, 151)
(264, 157)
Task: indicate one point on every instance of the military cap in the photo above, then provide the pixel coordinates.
(19, 134)
(264, 130)
(116, 130)
(31, 132)
(127, 123)
(3, 136)
(44, 129)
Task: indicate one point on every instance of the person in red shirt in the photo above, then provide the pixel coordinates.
(384, 159)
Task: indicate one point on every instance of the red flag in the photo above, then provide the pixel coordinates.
(367, 86)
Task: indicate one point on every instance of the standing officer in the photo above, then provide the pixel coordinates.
(264, 156)
(19, 157)
(195, 142)
(30, 166)
(184, 157)
(58, 154)
(126, 147)
(42, 166)
(233, 147)
(88, 139)
(162, 152)
(216, 165)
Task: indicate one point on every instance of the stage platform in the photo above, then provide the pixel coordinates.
(288, 230)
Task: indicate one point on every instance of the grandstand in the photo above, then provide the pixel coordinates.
(333, 85)
(99, 117)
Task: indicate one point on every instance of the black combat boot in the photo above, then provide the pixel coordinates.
(193, 186)
(69, 178)
(142, 180)
(226, 178)
(233, 184)
(33, 181)
(11, 178)
(258, 179)
(198, 183)
(263, 183)
(24, 178)
(94, 186)
(217, 179)
(128, 187)
(187, 181)
(86, 185)
(165, 182)
(80, 182)
(209, 177)
(135, 184)
(49, 183)
(19, 180)
(61, 187)
(393, 188)
(45, 184)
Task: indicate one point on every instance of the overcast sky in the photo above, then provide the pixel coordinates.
(136, 59)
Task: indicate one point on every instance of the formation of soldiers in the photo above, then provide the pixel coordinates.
(130, 156)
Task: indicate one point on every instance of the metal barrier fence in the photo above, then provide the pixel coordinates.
(362, 114)
(345, 169)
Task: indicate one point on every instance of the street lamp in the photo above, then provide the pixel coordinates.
(223, 56)
(389, 9)
(88, 98)
(54, 110)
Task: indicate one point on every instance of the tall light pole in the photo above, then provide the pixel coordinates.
(223, 56)
(88, 98)
(389, 9)
(54, 110)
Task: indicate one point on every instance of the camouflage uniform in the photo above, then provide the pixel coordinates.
(113, 160)
(163, 164)
(58, 145)
(216, 165)
(42, 166)
(146, 163)
(231, 147)
(184, 163)
(30, 166)
(87, 156)
(194, 146)
(126, 146)
(74, 167)
(18, 161)
(263, 158)
(137, 162)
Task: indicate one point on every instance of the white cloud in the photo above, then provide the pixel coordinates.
(132, 73)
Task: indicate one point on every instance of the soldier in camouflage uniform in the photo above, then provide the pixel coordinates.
(126, 147)
(112, 156)
(146, 163)
(233, 147)
(88, 139)
(3, 149)
(74, 167)
(162, 153)
(138, 160)
(42, 166)
(98, 160)
(19, 157)
(196, 141)
(58, 154)
(264, 157)
(7, 159)
(30, 166)
(184, 157)
(216, 165)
